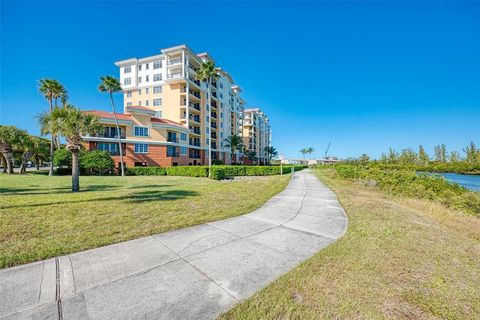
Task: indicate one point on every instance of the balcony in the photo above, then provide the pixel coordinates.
(175, 75)
(195, 156)
(214, 135)
(111, 135)
(195, 81)
(195, 93)
(195, 130)
(195, 69)
(214, 94)
(214, 125)
(172, 62)
(214, 84)
(213, 115)
(214, 145)
(195, 118)
(172, 139)
(195, 106)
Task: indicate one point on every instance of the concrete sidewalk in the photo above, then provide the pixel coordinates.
(193, 273)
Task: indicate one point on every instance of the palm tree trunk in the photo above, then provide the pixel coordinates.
(3, 163)
(25, 157)
(52, 148)
(209, 129)
(37, 162)
(75, 171)
(122, 169)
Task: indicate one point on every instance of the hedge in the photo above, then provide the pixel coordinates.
(218, 172)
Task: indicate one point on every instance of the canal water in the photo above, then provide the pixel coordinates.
(469, 181)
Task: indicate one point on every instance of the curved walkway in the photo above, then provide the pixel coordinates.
(193, 273)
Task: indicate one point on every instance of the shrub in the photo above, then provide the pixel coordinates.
(64, 171)
(146, 171)
(190, 171)
(96, 162)
(218, 172)
(418, 185)
(62, 158)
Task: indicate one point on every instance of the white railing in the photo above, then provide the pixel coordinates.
(174, 61)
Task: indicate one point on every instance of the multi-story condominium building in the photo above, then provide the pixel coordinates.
(256, 133)
(170, 117)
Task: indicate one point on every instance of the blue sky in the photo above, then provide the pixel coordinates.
(363, 76)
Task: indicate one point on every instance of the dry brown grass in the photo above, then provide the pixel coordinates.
(400, 258)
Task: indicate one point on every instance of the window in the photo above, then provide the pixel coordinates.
(157, 102)
(129, 104)
(140, 131)
(127, 81)
(139, 67)
(147, 103)
(157, 77)
(139, 79)
(147, 66)
(157, 89)
(207, 130)
(221, 124)
(141, 148)
(208, 141)
(109, 147)
(158, 114)
(139, 103)
(171, 151)
(221, 85)
(147, 89)
(183, 136)
(183, 150)
(157, 64)
(127, 69)
(139, 92)
(221, 95)
(147, 78)
(129, 94)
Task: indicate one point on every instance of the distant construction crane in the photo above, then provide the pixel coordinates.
(326, 151)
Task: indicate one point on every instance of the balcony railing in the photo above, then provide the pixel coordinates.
(195, 93)
(195, 105)
(172, 139)
(214, 115)
(174, 75)
(195, 143)
(112, 136)
(214, 125)
(193, 67)
(197, 82)
(195, 156)
(174, 61)
(195, 130)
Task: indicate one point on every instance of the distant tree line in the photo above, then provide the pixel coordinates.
(441, 161)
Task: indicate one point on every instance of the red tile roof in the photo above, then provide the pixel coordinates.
(166, 121)
(126, 116)
(141, 108)
(109, 115)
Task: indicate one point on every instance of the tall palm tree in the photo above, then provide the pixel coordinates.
(71, 123)
(270, 152)
(235, 143)
(112, 85)
(207, 73)
(303, 152)
(10, 138)
(310, 151)
(52, 90)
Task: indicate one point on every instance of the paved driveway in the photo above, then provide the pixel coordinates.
(192, 273)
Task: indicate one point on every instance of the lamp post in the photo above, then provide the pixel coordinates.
(281, 157)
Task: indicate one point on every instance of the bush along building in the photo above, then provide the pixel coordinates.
(170, 117)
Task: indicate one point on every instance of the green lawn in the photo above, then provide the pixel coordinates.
(401, 258)
(41, 218)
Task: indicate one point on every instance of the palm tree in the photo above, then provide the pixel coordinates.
(310, 151)
(71, 123)
(26, 146)
(52, 90)
(251, 155)
(39, 150)
(271, 152)
(235, 143)
(112, 85)
(10, 138)
(303, 151)
(207, 73)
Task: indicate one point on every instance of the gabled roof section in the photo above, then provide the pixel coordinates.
(109, 115)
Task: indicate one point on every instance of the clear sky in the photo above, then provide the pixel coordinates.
(363, 76)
